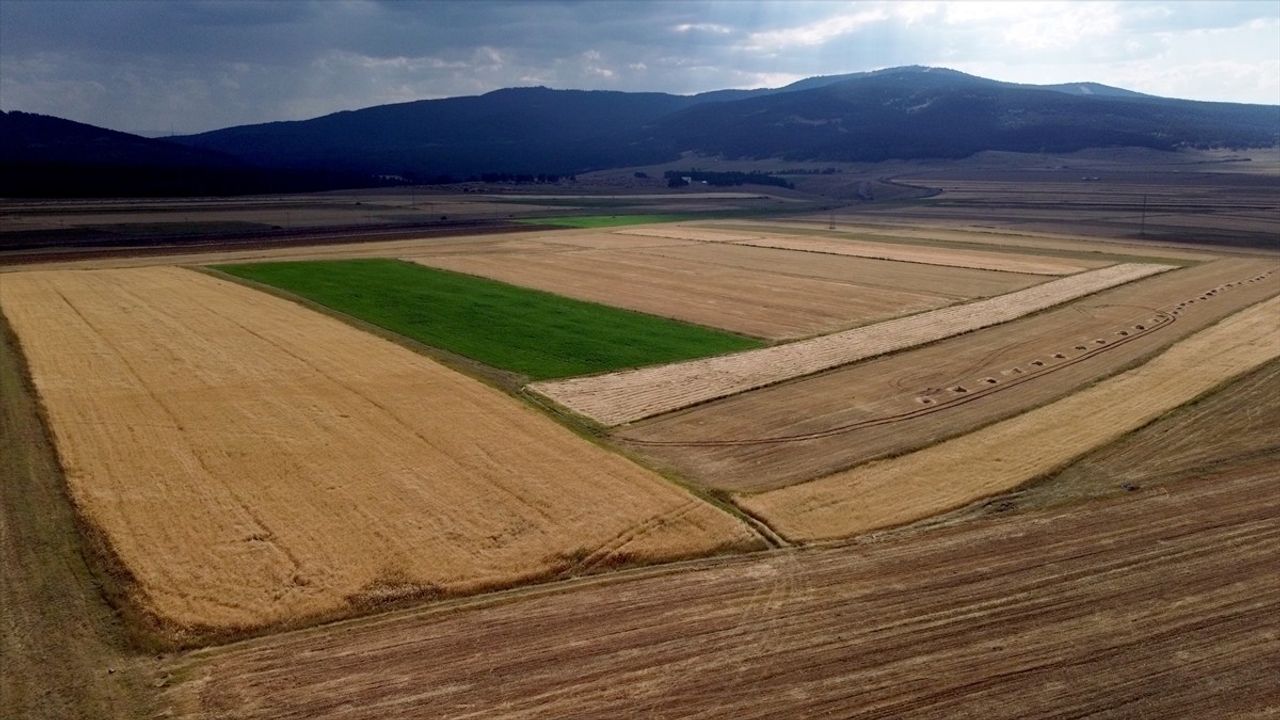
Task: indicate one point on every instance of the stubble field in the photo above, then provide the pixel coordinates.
(897, 252)
(631, 395)
(241, 464)
(727, 294)
(1153, 606)
(1016, 451)
(821, 424)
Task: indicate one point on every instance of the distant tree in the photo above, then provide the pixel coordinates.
(642, 175)
(675, 181)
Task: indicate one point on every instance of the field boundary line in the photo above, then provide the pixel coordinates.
(626, 396)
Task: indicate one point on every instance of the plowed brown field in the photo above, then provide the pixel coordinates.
(818, 425)
(630, 395)
(928, 255)
(1161, 604)
(254, 463)
(1015, 451)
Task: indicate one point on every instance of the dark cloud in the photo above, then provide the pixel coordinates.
(192, 66)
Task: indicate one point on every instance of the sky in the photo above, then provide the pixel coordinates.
(159, 67)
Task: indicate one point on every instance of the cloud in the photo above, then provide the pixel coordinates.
(703, 27)
(816, 33)
(199, 65)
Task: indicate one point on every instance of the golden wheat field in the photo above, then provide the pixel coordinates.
(254, 463)
(630, 395)
(1013, 452)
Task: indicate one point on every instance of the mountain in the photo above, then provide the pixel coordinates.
(518, 130)
(933, 113)
(903, 113)
(909, 112)
(45, 156)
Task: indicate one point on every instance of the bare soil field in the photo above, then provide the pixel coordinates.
(252, 463)
(627, 396)
(814, 426)
(935, 255)
(750, 302)
(1159, 604)
(1004, 455)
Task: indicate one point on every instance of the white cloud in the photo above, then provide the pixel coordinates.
(239, 63)
(815, 33)
(713, 28)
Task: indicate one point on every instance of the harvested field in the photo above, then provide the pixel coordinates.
(533, 333)
(605, 221)
(814, 426)
(1233, 427)
(253, 463)
(877, 276)
(57, 632)
(1228, 432)
(928, 255)
(631, 395)
(363, 245)
(754, 302)
(1156, 605)
(990, 239)
(1013, 452)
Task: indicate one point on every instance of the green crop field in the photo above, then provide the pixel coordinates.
(538, 334)
(603, 221)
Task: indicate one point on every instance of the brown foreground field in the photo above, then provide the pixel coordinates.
(252, 463)
(1002, 456)
(825, 423)
(630, 395)
(1158, 605)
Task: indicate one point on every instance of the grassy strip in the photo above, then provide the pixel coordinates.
(604, 221)
(534, 333)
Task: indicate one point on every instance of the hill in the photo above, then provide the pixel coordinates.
(45, 156)
(909, 113)
(898, 113)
